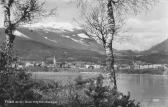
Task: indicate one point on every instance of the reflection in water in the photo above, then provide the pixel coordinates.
(150, 90)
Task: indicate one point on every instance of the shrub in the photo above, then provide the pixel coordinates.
(104, 96)
(15, 84)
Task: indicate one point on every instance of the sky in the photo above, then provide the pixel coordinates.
(145, 30)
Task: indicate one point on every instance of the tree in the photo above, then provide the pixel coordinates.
(103, 20)
(17, 12)
(16, 84)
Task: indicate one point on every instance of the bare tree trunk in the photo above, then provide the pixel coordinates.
(109, 44)
(9, 27)
(110, 60)
(9, 38)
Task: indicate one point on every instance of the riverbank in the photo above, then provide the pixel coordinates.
(142, 71)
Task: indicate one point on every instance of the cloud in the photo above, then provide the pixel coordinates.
(141, 42)
(139, 25)
(145, 33)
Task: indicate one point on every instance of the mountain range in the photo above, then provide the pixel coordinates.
(40, 43)
(71, 43)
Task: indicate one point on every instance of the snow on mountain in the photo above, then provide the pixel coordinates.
(77, 38)
(50, 39)
(79, 41)
(53, 25)
(83, 35)
(19, 34)
(65, 39)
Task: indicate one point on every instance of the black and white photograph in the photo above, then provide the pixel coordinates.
(83, 53)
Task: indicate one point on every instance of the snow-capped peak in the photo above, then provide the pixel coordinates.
(54, 25)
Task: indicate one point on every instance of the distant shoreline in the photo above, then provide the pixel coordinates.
(143, 71)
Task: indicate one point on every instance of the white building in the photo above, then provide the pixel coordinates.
(29, 64)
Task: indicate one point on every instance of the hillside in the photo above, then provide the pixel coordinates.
(156, 54)
(161, 48)
(37, 44)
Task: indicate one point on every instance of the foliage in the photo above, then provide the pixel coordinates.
(97, 91)
(104, 96)
(23, 11)
(47, 89)
(15, 84)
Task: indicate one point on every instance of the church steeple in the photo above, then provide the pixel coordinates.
(54, 61)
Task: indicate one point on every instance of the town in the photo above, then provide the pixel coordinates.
(51, 64)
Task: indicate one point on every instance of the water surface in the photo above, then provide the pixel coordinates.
(150, 90)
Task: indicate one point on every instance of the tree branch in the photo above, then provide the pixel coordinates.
(27, 10)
